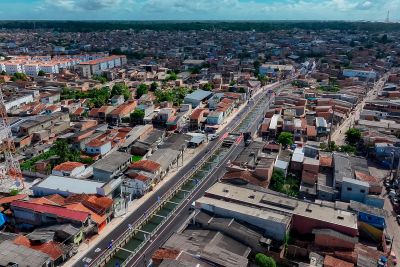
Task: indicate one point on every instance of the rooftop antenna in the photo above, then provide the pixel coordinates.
(387, 17)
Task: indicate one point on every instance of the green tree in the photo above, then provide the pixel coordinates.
(153, 86)
(41, 73)
(263, 260)
(141, 90)
(208, 87)
(285, 138)
(99, 78)
(353, 136)
(19, 76)
(137, 116)
(277, 180)
(61, 149)
(121, 89)
(172, 76)
(3, 73)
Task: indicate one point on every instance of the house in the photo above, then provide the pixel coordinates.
(328, 238)
(197, 97)
(215, 118)
(68, 169)
(365, 74)
(321, 126)
(117, 100)
(98, 147)
(353, 189)
(122, 111)
(197, 117)
(212, 248)
(275, 70)
(66, 186)
(12, 254)
(149, 143)
(244, 177)
(369, 215)
(308, 216)
(28, 215)
(310, 170)
(110, 166)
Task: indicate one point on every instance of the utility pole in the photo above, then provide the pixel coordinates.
(330, 128)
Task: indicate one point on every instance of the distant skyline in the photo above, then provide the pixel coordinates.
(371, 10)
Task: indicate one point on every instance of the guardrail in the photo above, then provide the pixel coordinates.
(127, 235)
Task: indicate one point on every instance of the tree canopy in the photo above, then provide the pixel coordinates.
(353, 136)
(153, 86)
(208, 87)
(174, 95)
(41, 73)
(121, 89)
(137, 116)
(141, 90)
(263, 260)
(285, 138)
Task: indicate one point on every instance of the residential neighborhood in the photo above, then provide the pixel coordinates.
(199, 147)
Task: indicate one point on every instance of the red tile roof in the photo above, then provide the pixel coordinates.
(97, 143)
(197, 113)
(138, 176)
(165, 253)
(98, 219)
(325, 161)
(68, 166)
(366, 177)
(311, 131)
(48, 209)
(59, 200)
(245, 176)
(330, 261)
(50, 248)
(6, 200)
(145, 165)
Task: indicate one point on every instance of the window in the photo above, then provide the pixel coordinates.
(340, 217)
(349, 189)
(308, 210)
(252, 196)
(362, 191)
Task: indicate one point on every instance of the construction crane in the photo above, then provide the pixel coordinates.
(10, 171)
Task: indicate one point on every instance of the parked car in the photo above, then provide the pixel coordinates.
(392, 193)
(398, 219)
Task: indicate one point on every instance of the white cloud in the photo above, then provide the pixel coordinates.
(81, 5)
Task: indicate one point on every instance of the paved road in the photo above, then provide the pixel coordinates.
(131, 219)
(181, 215)
(339, 135)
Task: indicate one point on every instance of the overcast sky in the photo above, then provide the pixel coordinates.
(374, 10)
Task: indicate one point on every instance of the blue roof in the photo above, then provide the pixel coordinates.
(198, 95)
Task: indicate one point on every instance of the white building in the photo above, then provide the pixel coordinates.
(18, 101)
(12, 68)
(49, 67)
(68, 169)
(359, 73)
(31, 69)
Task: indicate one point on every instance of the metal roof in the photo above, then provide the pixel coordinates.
(71, 185)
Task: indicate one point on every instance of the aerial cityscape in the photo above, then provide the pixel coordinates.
(163, 135)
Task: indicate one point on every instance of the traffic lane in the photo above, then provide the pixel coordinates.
(132, 218)
(180, 217)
